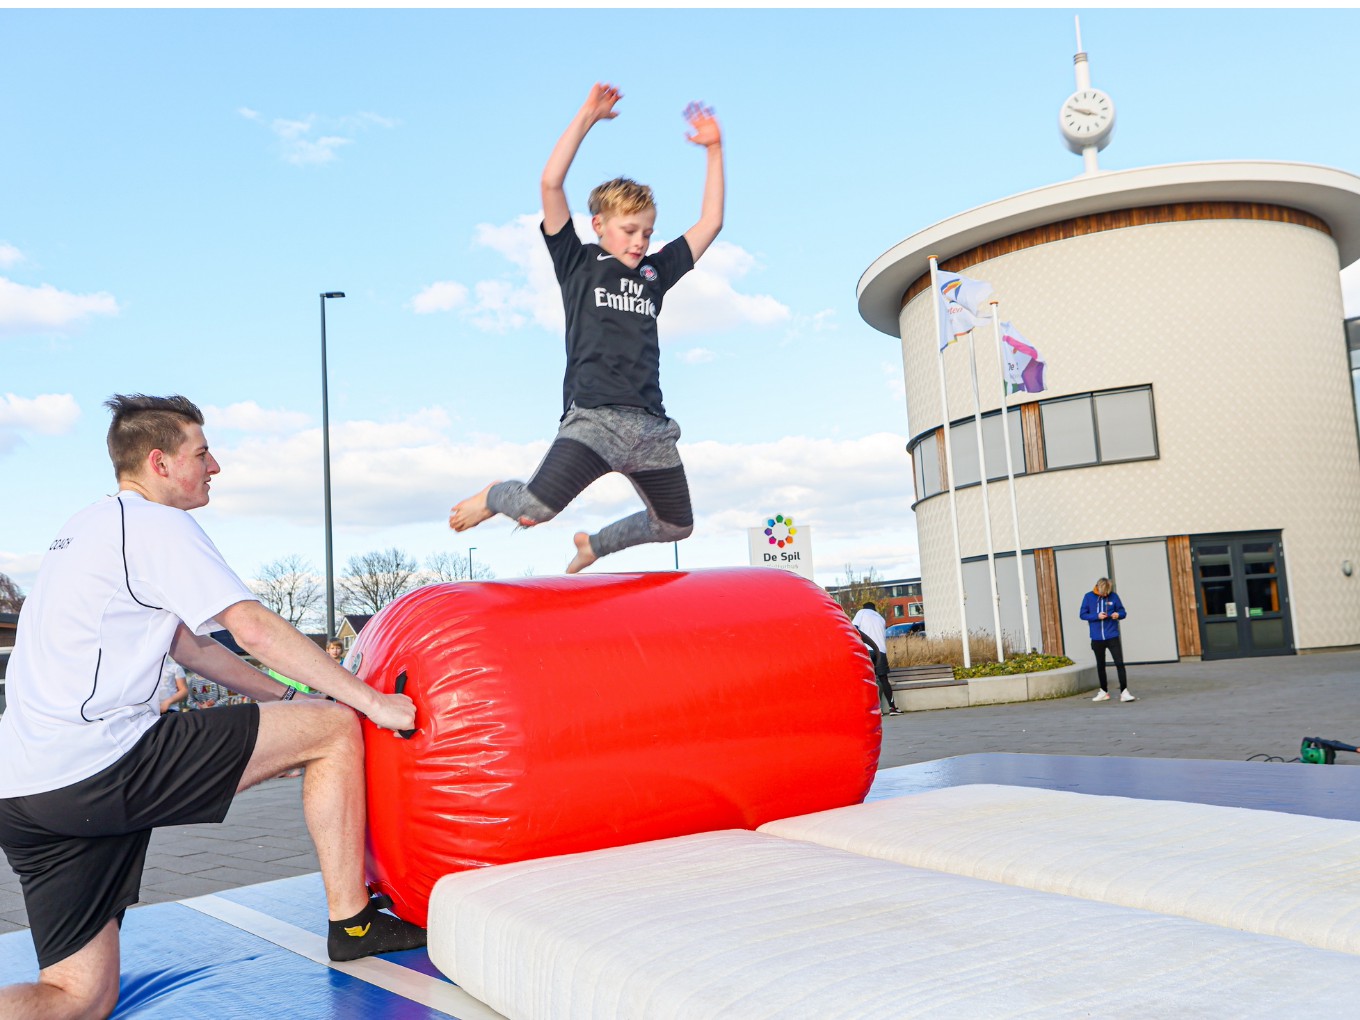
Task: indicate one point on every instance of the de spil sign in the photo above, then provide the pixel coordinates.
(778, 542)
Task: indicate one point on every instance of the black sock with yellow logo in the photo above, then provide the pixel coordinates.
(370, 932)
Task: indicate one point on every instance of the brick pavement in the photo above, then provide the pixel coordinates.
(1226, 710)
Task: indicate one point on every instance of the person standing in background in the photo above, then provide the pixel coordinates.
(1103, 611)
(174, 688)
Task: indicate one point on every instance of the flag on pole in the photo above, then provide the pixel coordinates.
(1024, 364)
(961, 301)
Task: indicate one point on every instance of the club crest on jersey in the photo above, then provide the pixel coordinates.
(648, 274)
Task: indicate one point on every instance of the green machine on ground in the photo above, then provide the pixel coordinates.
(1319, 751)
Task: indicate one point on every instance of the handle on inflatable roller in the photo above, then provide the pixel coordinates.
(401, 687)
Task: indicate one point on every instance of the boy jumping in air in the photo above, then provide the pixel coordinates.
(613, 418)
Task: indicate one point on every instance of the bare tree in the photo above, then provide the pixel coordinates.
(290, 587)
(859, 589)
(374, 579)
(11, 595)
(449, 566)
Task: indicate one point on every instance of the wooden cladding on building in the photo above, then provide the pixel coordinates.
(1032, 431)
(1183, 604)
(1181, 212)
(1050, 615)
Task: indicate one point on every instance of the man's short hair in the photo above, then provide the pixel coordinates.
(142, 424)
(620, 197)
(870, 605)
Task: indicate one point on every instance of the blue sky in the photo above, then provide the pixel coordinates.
(177, 187)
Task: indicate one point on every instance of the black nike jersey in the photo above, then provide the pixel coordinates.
(613, 356)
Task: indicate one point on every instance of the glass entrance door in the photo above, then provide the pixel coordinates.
(1240, 588)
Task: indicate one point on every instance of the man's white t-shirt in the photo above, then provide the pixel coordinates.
(94, 633)
(873, 626)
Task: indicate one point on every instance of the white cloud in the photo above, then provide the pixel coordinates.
(49, 414)
(707, 299)
(249, 416)
(856, 493)
(1350, 290)
(24, 308)
(9, 255)
(314, 140)
(896, 381)
(441, 296)
(22, 568)
(696, 356)
(373, 119)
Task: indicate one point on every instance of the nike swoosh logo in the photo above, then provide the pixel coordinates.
(601, 258)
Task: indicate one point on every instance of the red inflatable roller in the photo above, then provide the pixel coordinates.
(563, 714)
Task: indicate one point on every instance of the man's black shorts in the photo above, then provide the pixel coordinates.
(79, 850)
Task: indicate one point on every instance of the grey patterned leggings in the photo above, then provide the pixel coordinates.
(590, 443)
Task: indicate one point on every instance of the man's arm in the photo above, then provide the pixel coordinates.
(209, 659)
(705, 132)
(599, 105)
(271, 639)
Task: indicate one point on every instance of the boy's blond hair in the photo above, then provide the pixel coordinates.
(620, 197)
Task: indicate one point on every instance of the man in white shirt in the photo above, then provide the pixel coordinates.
(870, 624)
(127, 582)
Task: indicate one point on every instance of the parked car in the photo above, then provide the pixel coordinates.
(906, 629)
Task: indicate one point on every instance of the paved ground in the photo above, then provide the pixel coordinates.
(1227, 710)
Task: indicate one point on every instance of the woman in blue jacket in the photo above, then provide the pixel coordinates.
(1102, 609)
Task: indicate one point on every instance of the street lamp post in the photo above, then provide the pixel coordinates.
(326, 469)
(471, 550)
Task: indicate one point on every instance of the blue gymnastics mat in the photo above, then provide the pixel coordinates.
(259, 951)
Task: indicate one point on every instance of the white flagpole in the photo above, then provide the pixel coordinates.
(1010, 477)
(949, 464)
(986, 506)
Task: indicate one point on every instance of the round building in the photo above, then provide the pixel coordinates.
(1197, 438)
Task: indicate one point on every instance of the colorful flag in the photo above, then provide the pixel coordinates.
(1024, 364)
(961, 301)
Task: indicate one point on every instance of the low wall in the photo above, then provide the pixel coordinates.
(1001, 690)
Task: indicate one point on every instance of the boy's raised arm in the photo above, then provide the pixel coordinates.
(599, 105)
(705, 132)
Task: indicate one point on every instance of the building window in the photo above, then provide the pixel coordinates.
(897, 612)
(925, 460)
(925, 454)
(963, 440)
(916, 609)
(1069, 432)
(1099, 428)
(1124, 425)
(1090, 428)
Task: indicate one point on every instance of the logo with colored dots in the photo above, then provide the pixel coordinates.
(780, 530)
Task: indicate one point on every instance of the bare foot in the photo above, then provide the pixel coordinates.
(584, 557)
(470, 512)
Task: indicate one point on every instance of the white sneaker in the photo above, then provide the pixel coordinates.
(1101, 696)
(1126, 695)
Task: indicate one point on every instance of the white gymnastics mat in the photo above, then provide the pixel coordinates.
(745, 926)
(1262, 871)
